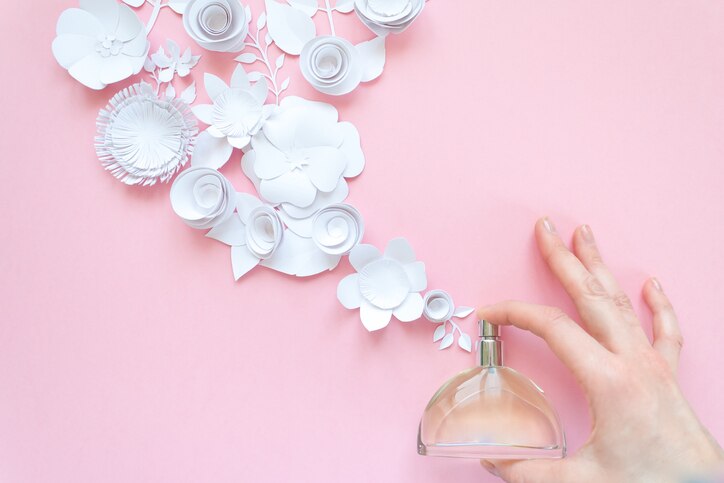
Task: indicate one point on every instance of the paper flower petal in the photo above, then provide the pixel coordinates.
(374, 318)
(294, 187)
(416, 274)
(362, 255)
(289, 27)
(71, 48)
(214, 85)
(399, 249)
(242, 261)
(239, 79)
(410, 309)
(372, 57)
(211, 152)
(76, 21)
(348, 292)
(204, 112)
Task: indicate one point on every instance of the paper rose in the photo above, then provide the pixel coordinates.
(331, 65)
(218, 25)
(100, 43)
(143, 139)
(385, 284)
(388, 16)
(439, 306)
(202, 198)
(237, 113)
(337, 229)
(301, 157)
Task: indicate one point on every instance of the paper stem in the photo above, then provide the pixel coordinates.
(264, 58)
(328, 8)
(154, 15)
(455, 327)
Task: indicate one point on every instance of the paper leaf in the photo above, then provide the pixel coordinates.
(446, 341)
(170, 91)
(462, 312)
(254, 76)
(230, 232)
(344, 6)
(300, 256)
(211, 152)
(439, 333)
(178, 6)
(149, 65)
(280, 61)
(242, 261)
(189, 94)
(134, 3)
(285, 85)
(246, 58)
(464, 342)
(290, 28)
(307, 6)
(247, 13)
(261, 21)
(372, 54)
(267, 39)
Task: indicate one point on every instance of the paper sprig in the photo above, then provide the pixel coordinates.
(440, 309)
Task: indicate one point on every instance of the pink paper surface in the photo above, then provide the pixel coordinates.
(128, 353)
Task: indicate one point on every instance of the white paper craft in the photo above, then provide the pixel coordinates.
(217, 25)
(203, 198)
(337, 229)
(172, 63)
(385, 284)
(388, 16)
(144, 139)
(100, 43)
(237, 113)
(289, 27)
(440, 309)
(302, 156)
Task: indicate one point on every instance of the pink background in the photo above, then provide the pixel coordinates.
(127, 352)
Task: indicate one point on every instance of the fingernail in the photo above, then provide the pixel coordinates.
(656, 284)
(549, 225)
(587, 233)
(490, 467)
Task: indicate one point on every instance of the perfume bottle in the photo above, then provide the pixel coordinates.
(490, 412)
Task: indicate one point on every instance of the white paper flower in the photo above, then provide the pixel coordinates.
(100, 43)
(388, 16)
(385, 284)
(217, 25)
(174, 62)
(337, 229)
(203, 198)
(439, 306)
(331, 65)
(301, 157)
(143, 139)
(237, 113)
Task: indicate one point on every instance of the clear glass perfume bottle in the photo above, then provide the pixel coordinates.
(490, 412)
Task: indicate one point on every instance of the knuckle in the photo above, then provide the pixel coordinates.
(623, 302)
(593, 288)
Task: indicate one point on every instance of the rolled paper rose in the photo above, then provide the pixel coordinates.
(332, 65)
(388, 16)
(264, 231)
(337, 229)
(218, 25)
(202, 198)
(439, 306)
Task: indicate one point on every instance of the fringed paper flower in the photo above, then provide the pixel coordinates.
(302, 156)
(100, 43)
(217, 25)
(388, 16)
(385, 284)
(203, 198)
(143, 139)
(237, 114)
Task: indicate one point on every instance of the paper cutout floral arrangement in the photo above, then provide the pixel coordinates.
(296, 152)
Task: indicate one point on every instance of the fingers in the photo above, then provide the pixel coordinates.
(591, 298)
(667, 335)
(533, 471)
(571, 344)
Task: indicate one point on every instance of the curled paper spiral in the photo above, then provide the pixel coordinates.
(218, 25)
(388, 16)
(203, 198)
(332, 65)
(439, 306)
(263, 231)
(337, 229)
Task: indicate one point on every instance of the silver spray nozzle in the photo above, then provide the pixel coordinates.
(490, 347)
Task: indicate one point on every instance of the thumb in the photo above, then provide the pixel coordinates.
(529, 471)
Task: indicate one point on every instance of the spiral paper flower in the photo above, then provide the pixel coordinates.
(331, 65)
(143, 139)
(388, 16)
(337, 229)
(203, 198)
(439, 306)
(218, 25)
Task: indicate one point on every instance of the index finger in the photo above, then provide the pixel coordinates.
(580, 352)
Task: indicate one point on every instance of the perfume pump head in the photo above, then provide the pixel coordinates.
(490, 347)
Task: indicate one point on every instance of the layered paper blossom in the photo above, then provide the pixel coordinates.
(388, 16)
(237, 114)
(301, 157)
(203, 198)
(218, 25)
(144, 139)
(331, 65)
(100, 43)
(385, 284)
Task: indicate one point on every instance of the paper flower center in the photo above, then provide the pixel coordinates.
(215, 18)
(236, 112)
(207, 192)
(327, 61)
(337, 229)
(108, 45)
(263, 231)
(384, 283)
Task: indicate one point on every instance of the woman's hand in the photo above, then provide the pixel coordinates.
(643, 428)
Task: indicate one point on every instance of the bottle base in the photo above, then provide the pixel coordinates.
(491, 451)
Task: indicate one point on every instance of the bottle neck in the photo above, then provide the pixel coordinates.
(490, 352)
